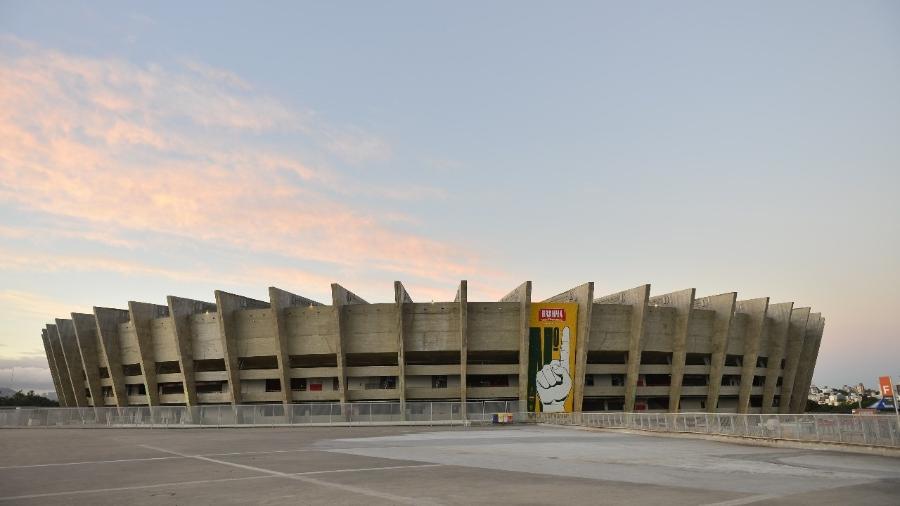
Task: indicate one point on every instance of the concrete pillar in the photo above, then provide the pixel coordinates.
(462, 298)
(401, 298)
(279, 301)
(756, 328)
(807, 363)
(779, 321)
(522, 295)
(723, 306)
(72, 356)
(582, 295)
(180, 311)
(682, 302)
(86, 339)
(637, 298)
(227, 304)
(799, 318)
(141, 314)
(341, 297)
(818, 340)
(65, 381)
(108, 321)
(51, 363)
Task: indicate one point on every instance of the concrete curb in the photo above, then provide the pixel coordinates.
(751, 441)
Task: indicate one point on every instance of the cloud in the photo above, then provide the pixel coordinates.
(36, 361)
(119, 150)
(27, 304)
(26, 374)
(27, 371)
(356, 146)
(35, 304)
(64, 230)
(216, 74)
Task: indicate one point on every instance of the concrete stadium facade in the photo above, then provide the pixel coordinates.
(670, 352)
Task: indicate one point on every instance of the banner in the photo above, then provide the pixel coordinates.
(887, 393)
(552, 338)
(887, 390)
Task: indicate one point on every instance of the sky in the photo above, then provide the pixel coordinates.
(163, 148)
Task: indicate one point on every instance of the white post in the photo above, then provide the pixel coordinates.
(891, 432)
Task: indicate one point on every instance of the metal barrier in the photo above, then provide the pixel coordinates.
(871, 430)
(256, 414)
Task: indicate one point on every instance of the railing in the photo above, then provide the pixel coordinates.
(256, 414)
(870, 430)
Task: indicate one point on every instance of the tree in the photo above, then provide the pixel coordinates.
(29, 399)
(844, 407)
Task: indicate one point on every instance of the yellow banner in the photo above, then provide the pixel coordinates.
(551, 356)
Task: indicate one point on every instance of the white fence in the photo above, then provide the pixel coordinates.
(874, 430)
(256, 414)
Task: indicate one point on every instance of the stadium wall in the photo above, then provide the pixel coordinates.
(633, 352)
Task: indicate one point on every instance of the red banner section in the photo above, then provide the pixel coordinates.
(552, 314)
(887, 390)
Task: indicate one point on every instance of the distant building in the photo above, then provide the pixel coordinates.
(836, 398)
(832, 396)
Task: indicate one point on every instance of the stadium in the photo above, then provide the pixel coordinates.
(628, 351)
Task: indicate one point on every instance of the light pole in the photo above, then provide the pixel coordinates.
(894, 399)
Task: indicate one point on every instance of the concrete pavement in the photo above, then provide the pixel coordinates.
(422, 465)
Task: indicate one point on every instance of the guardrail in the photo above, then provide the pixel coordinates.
(256, 414)
(871, 430)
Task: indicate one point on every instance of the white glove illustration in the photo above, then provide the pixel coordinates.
(553, 381)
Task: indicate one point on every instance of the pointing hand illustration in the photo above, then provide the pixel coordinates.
(553, 380)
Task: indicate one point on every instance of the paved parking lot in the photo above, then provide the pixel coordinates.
(422, 465)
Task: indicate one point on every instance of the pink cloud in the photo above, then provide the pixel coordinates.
(104, 142)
